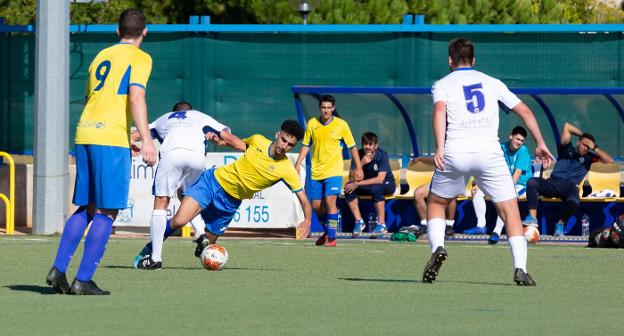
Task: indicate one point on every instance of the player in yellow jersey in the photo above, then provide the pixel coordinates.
(115, 94)
(218, 193)
(325, 134)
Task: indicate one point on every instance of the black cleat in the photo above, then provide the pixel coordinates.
(147, 263)
(201, 242)
(86, 288)
(58, 281)
(448, 232)
(522, 278)
(433, 265)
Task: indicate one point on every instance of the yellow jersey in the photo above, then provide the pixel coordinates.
(106, 117)
(324, 141)
(256, 170)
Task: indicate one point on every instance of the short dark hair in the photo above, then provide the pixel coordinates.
(461, 51)
(182, 106)
(587, 136)
(519, 130)
(131, 23)
(327, 98)
(369, 138)
(292, 127)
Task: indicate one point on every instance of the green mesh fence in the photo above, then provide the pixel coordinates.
(244, 79)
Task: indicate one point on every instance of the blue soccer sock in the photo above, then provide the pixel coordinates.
(332, 226)
(323, 221)
(94, 247)
(72, 234)
(147, 249)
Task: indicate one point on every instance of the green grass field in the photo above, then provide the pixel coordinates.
(287, 287)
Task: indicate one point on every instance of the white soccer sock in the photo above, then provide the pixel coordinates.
(499, 225)
(198, 226)
(423, 222)
(435, 233)
(518, 251)
(450, 222)
(478, 202)
(158, 224)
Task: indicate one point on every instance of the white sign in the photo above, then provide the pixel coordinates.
(274, 207)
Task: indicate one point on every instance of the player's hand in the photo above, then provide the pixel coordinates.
(542, 153)
(366, 159)
(438, 159)
(297, 169)
(149, 152)
(350, 187)
(303, 230)
(358, 175)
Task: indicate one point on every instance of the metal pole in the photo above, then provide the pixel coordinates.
(51, 169)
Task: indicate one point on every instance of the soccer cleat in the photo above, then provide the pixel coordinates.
(147, 263)
(529, 221)
(359, 228)
(58, 281)
(330, 243)
(146, 251)
(559, 229)
(433, 265)
(494, 238)
(86, 288)
(201, 242)
(321, 240)
(522, 278)
(448, 232)
(475, 231)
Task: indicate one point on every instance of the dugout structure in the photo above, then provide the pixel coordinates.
(402, 117)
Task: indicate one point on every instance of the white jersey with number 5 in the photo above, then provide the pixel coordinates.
(185, 130)
(471, 99)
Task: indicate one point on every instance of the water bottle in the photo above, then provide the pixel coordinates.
(585, 226)
(339, 228)
(372, 221)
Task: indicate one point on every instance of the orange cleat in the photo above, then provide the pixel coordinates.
(321, 240)
(330, 243)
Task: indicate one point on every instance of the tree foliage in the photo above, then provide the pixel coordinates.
(335, 11)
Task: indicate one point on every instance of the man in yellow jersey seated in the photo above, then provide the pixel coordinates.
(325, 135)
(218, 192)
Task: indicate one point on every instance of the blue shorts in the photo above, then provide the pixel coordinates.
(102, 176)
(319, 189)
(218, 207)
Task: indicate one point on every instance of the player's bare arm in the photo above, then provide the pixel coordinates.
(567, 132)
(302, 154)
(138, 107)
(225, 138)
(304, 227)
(355, 155)
(541, 150)
(439, 131)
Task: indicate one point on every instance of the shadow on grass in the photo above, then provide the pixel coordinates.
(44, 290)
(480, 283)
(196, 268)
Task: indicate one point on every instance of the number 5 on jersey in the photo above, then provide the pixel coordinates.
(475, 102)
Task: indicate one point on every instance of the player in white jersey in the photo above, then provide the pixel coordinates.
(182, 160)
(465, 126)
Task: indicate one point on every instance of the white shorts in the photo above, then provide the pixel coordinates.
(180, 168)
(489, 170)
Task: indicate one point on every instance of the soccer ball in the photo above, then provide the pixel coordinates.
(531, 234)
(214, 257)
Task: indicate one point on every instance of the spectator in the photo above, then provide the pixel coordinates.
(378, 182)
(570, 169)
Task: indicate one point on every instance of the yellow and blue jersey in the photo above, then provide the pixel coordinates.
(325, 142)
(106, 117)
(256, 170)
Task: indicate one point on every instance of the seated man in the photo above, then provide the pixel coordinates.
(518, 159)
(378, 181)
(570, 169)
(420, 201)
